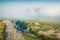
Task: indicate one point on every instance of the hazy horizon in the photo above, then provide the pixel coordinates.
(29, 9)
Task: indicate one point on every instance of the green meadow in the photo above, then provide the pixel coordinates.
(2, 33)
(43, 30)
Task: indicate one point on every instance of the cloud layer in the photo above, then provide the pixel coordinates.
(29, 10)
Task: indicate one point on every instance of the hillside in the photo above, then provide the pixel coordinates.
(29, 30)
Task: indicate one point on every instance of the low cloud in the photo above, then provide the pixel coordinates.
(29, 11)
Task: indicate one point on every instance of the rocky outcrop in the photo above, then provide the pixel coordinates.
(11, 32)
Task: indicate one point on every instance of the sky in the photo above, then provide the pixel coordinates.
(29, 9)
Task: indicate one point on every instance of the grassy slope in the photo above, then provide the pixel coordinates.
(2, 35)
(43, 27)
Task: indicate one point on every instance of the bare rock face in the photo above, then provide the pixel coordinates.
(11, 32)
